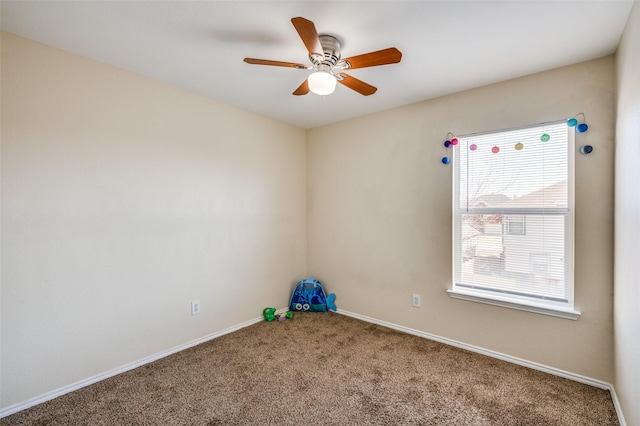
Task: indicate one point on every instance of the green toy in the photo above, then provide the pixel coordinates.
(269, 314)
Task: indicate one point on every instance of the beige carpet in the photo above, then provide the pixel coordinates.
(326, 369)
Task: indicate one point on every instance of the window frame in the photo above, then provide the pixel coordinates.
(511, 300)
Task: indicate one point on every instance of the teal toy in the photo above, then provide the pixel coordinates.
(331, 302)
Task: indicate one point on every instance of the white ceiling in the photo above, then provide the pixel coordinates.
(447, 46)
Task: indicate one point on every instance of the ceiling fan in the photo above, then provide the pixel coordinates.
(324, 54)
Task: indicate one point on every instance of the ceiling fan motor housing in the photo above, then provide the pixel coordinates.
(331, 48)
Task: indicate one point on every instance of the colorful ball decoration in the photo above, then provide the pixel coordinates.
(446, 160)
(447, 144)
(574, 122)
(587, 149)
(545, 137)
(495, 149)
(473, 147)
(519, 146)
(454, 141)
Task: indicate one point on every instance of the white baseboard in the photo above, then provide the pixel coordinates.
(533, 365)
(94, 379)
(616, 403)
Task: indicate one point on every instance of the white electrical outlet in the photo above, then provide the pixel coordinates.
(195, 307)
(415, 300)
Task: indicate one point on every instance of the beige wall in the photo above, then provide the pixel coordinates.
(123, 200)
(627, 221)
(379, 216)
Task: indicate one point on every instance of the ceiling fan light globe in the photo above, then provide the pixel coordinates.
(322, 83)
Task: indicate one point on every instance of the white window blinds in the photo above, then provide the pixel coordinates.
(513, 226)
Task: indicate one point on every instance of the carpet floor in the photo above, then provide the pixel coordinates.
(326, 369)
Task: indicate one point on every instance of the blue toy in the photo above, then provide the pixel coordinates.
(331, 304)
(309, 296)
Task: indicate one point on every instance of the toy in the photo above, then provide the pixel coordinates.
(309, 295)
(269, 314)
(283, 316)
(331, 302)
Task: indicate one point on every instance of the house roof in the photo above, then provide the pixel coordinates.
(551, 196)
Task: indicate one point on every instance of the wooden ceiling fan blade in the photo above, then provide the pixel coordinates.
(303, 89)
(353, 83)
(307, 32)
(275, 63)
(372, 59)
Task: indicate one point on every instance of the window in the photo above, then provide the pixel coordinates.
(513, 219)
(514, 225)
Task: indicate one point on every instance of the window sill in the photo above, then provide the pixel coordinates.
(522, 306)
